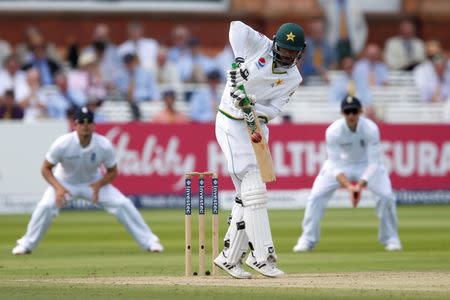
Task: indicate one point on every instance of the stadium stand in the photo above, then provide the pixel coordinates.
(399, 102)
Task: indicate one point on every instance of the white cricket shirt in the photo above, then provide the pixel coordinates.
(346, 148)
(272, 89)
(75, 164)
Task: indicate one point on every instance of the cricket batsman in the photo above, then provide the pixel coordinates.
(268, 72)
(354, 161)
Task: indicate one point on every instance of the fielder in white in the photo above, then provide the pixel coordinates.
(269, 74)
(78, 157)
(354, 155)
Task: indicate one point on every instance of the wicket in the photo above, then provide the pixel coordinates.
(201, 221)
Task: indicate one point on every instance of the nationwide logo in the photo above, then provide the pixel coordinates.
(261, 62)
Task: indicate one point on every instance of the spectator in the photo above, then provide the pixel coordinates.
(432, 47)
(346, 84)
(201, 64)
(205, 102)
(10, 75)
(31, 97)
(24, 49)
(181, 53)
(169, 115)
(137, 84)
(405, 51)
(320, 56)
(370, 68)
(346, 26)
(180, 43)
(166, 71)
(39, 60)
(432, 78)
(109, 62)
(5, 51)
(87, 79)
(146, 49)
(9, 109)
(72, 51)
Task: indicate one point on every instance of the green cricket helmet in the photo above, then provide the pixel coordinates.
(289, 36)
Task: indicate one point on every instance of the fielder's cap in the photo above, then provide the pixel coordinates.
(350, 102)
(83, 115)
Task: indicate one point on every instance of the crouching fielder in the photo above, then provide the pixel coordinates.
(354, 155)
(269, 74)
(78, 156)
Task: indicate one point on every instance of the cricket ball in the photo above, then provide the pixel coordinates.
(256, 137)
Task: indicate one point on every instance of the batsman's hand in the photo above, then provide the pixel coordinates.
(355, 194)
(238, 97)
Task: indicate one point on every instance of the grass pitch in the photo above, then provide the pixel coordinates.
(89, 255)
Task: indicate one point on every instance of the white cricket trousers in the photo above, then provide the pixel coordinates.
(326, 184)
(234, 141)
(110, 198)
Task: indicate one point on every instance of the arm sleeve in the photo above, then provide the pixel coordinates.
(244, 40)
(333, 153)
(272, 110)
(55, 153)
(373, 154)
(275, 107)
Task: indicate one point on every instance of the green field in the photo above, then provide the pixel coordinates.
(89, 255)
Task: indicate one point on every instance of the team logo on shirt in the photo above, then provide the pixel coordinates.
(277, 83)
(93, 156)
(261, 62)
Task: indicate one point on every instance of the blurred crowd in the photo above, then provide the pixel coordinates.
(36, 82)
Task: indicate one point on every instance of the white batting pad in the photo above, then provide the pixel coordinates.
(257, 227)
(236, 235)
(253, 190)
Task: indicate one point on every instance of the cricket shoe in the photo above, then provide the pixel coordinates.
(301, 247)
(156, 247)
(20, 250)
(234, 270)
(393, 247)
(267, 268)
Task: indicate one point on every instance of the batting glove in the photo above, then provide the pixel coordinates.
(238, 97)
(237, 77)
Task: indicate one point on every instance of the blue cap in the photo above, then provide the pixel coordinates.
(83, 115)
(350, 102)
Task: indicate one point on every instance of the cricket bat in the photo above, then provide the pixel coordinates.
(257, 139)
